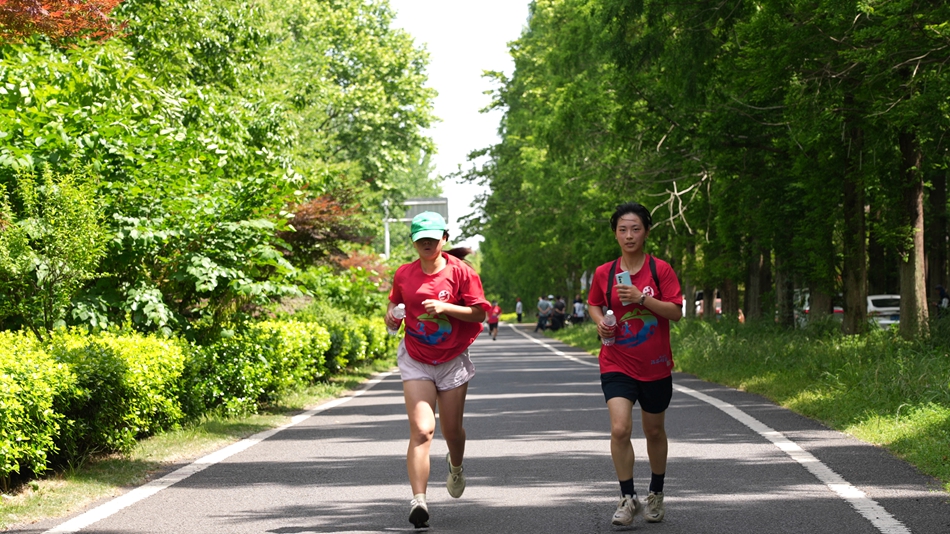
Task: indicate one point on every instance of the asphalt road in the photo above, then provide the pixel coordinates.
(537, 460)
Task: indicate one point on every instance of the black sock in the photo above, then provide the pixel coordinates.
(656, 482)
(626, 487)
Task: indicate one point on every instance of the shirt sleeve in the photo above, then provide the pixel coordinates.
(597, 288)
(395, 294)
(471, 290)
(670, 290)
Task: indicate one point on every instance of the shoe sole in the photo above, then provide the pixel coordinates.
(419, 517)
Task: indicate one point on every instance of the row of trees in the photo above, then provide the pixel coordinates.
(780, 145)
(221, 147)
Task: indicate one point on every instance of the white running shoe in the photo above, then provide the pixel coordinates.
(456, 481)
(654, 511)
(628, 508)
(419, 514)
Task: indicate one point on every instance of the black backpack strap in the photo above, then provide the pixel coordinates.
(610, 282)
(656, 279)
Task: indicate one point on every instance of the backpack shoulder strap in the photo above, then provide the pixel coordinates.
(656, 279)
(610, 282)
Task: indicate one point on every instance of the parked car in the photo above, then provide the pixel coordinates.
(803, 299)
(885, 309)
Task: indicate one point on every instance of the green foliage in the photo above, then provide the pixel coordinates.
(355, 290)
(208, 126)
(30, 380)
(51, 241)
(257, 363)
(126, 388)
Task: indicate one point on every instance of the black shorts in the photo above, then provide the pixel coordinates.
(492, 325)
(654, 397)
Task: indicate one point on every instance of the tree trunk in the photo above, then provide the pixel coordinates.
(785, 294)
(855, 265)
(689, 288)
(730, 299)
(709, 304)
(753, 287)
(819, 305)
(937, 234)
(914, 312)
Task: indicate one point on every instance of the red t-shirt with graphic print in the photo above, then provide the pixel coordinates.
(641, 349)
(440, 338)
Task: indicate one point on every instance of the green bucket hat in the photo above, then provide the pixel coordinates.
(428, 225)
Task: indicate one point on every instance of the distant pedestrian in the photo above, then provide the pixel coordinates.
(579, 313)
(559, 314)
(637, 366)
(943, 302)
(519, 309)
(445, 306)
(544, 312)
(494, 315)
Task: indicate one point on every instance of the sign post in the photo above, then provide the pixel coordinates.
(415, 206)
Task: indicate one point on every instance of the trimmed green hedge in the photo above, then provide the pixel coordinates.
(30, 380)
(80, 393)
(126, 388)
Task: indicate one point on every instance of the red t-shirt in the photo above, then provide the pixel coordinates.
(641, 349)
(494, 314)
(438, 339)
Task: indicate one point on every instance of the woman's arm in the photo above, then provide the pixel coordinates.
(470, 314)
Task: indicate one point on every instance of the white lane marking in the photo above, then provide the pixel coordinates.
(143, 492)
(864, 505)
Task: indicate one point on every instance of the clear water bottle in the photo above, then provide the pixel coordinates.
(399, 312)
(609, 320)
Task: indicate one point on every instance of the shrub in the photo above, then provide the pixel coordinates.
(242, 371)
(127, 387)
(29, 381)
(51, 240)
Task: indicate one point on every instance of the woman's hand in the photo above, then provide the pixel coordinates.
(392, 322)
(434, 306)
(604, 330)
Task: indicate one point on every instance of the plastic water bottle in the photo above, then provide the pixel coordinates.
(609, 320)
(399, 312)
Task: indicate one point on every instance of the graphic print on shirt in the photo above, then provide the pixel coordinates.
(641, 319)
(443, 329)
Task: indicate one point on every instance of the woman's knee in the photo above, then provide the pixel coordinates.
(419, 435)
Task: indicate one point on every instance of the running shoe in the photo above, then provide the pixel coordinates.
(628, 508)
(419, 514)
(654, 511)
(456, 481)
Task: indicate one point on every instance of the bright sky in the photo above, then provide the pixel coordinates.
(463, 39)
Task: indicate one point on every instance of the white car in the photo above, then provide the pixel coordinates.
(885, 309)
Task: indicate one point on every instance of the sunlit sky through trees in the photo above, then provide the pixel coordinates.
(463, 39)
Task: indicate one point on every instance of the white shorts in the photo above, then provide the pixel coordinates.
(449, 375)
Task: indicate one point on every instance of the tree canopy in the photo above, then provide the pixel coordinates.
(781, 146)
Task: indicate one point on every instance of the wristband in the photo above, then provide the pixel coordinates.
(643, 298)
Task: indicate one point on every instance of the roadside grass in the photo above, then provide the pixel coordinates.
(876, 387)
(60, 493)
